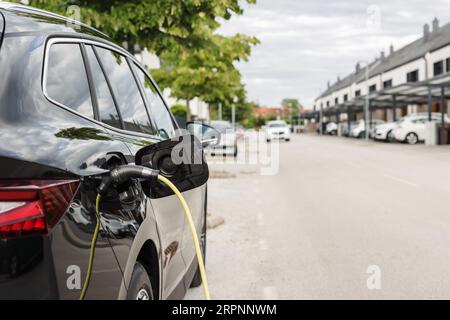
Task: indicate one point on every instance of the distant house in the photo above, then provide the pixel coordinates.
(267, 112)
(401, 82)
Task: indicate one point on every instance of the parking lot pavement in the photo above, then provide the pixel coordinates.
(336, 207)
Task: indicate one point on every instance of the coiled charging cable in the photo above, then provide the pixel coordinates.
(122, 174)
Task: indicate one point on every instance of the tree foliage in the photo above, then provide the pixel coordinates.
(207, 72)
(291, 103)
(196, 61)
(157, 24)
(179, 110)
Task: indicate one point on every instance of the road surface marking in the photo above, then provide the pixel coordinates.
(409, 183)
(270, 293)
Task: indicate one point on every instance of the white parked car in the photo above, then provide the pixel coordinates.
(412, 129)
(277, 129)
(228, 139)
(359, 130)
(331, 128)
(385, 131)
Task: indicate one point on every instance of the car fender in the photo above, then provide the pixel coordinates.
(147, 231)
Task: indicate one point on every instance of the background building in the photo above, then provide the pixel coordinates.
(412, 79)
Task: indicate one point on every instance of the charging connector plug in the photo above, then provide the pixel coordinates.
(124, 173)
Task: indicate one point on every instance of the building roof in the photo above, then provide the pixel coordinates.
(356, 76)
(434, 40)
(266, 111)
(415, 50)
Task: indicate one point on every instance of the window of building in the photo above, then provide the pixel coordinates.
(373, 88)
(438, 68)
(357, 93)
(345, 97)
(158, 109)
(447, 65)
(412, 76)
(67, 81)
(336, 101)
(328, 104)
(387, 84)
(106, 106)
(126, 91)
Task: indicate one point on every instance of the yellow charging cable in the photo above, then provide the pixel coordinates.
(198, 251)
(93, 243)
(188, 214)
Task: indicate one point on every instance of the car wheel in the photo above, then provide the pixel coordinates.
(361, 135)
(267, 140)
(390, 136)
(287, 140)
(140, 287)
(197, 280)
(412, 138)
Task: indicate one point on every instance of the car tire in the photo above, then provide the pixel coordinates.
(140, 287)
(390, 136)
(197, 280)
(361, 135)
(287, 140)
(268, 140)
(411, 138)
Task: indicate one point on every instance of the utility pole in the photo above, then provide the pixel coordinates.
(233, 115)
(366, 103)
(233, 112)
(220, 111)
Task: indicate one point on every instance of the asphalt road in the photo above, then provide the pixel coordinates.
(336, 207)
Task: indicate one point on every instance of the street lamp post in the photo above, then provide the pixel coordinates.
(233, 112)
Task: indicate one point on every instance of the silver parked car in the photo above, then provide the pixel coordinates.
(228, 139)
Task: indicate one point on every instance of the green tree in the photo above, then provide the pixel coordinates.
(179, 110)
(197, 62)
(291, 103)
(207, 72)
(157, 24)
(293, 106)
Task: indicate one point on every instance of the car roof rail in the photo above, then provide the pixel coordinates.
(24, 8)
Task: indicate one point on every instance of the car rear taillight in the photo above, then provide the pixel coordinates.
(32, 207)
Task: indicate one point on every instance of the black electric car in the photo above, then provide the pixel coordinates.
(73, 105)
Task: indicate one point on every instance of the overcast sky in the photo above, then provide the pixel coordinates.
(305, 43)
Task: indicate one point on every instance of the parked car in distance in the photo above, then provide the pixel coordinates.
(385, 131)
(345, 132)
(412, 129)
(75, 106)
(277, 130)
(331, 129)
(324, 127)
(228, 145)
(359, 130)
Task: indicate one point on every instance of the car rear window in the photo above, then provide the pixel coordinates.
(67, 81)
(277, 125)
(125, 89)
